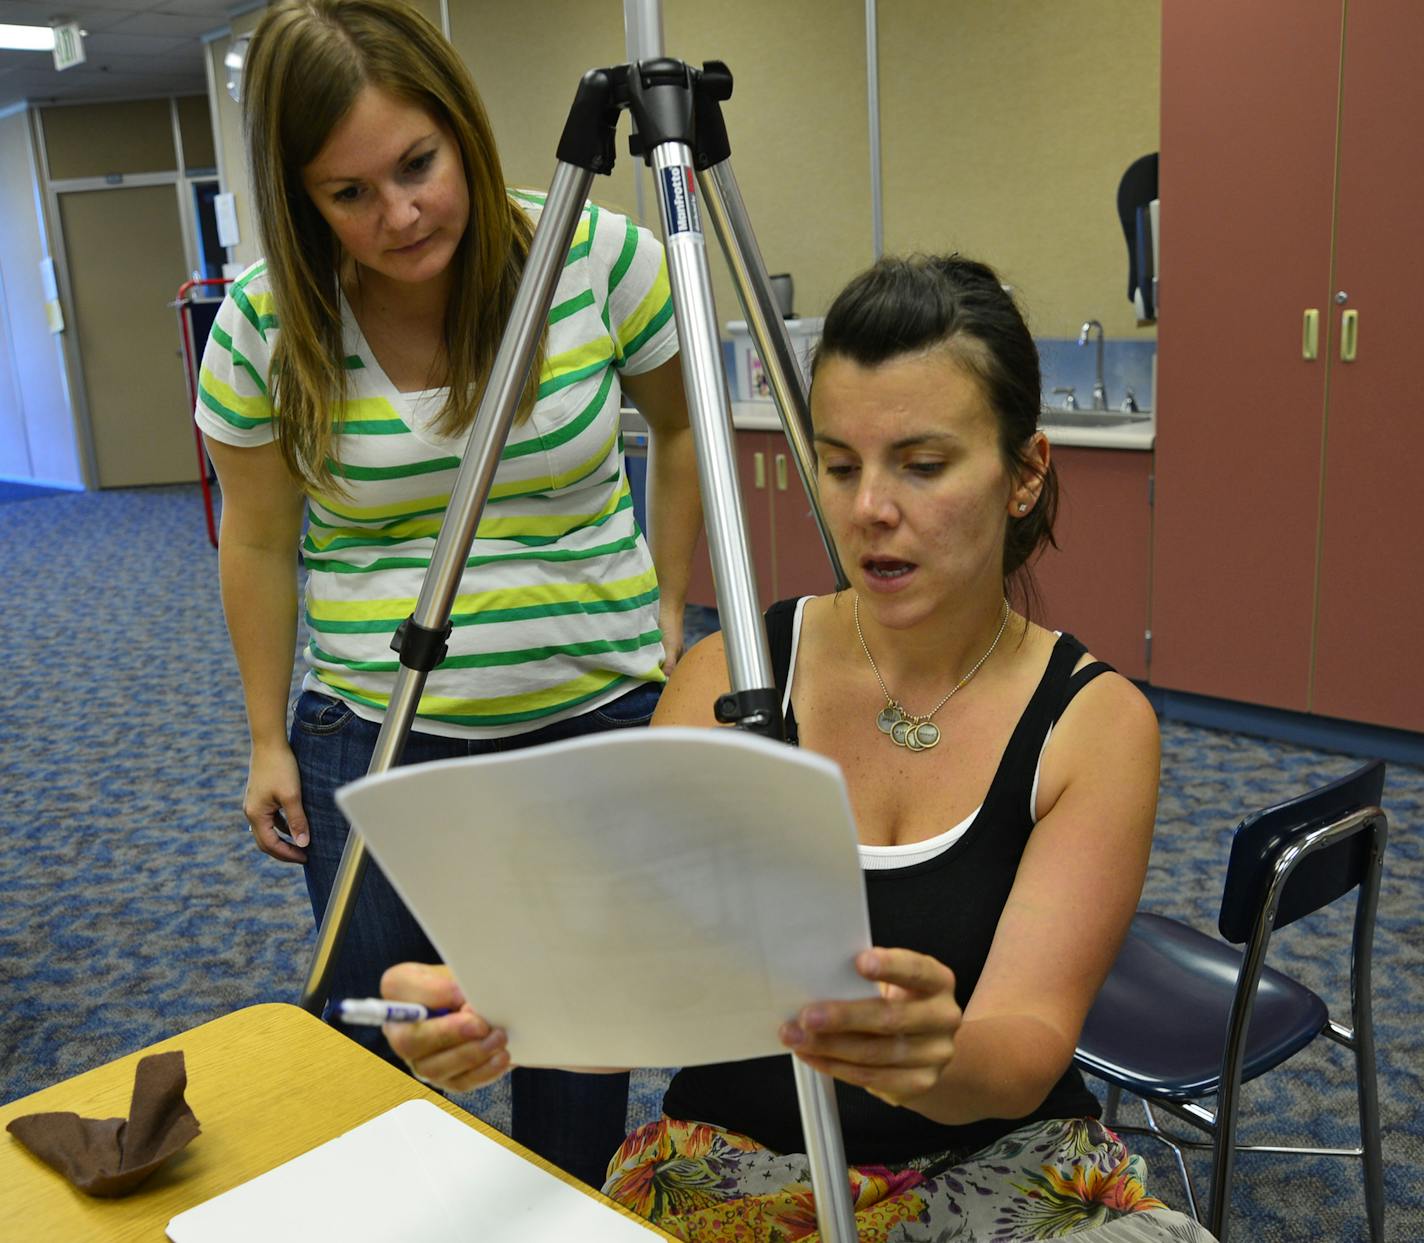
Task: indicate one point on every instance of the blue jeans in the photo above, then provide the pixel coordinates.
(576, 1121)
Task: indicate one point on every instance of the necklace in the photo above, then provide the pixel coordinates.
(918, 733)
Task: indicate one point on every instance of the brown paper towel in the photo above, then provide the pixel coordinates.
(112, 1156)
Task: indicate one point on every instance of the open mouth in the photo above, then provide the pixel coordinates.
(886, 569)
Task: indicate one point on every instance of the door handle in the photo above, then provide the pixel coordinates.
(1349, 335)
(781, 472)
(759, 470)
(1310, 336)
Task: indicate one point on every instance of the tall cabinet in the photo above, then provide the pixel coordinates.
(1287, 568)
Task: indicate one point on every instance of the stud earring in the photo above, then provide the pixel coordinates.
(1023, 507)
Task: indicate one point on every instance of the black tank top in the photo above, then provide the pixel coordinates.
(947, 906)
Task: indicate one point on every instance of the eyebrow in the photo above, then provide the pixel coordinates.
(906, 442)
(403, 156)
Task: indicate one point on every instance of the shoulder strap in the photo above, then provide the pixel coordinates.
(780, 627)
(1085, 675)
(1080, 678)
(1008, 790)
(780, 631)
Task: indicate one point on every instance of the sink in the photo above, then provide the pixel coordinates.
(1093, 418)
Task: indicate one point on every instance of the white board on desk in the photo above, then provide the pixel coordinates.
(413, 1172)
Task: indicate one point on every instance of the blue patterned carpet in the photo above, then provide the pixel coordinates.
(134, 907)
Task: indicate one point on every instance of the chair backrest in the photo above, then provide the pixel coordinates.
(1321, 876)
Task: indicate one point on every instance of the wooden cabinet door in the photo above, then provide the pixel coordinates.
(1249, 96)
(754, 473)
(802, 567)
(1371, 565)
(1095, 583)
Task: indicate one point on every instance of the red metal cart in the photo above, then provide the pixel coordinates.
(195, 318)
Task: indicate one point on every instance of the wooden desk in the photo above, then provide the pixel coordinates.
(267, 1083)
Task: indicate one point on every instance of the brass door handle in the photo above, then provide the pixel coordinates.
(1310, 335)
(759, 470)
(781, 472)
(1349, 335)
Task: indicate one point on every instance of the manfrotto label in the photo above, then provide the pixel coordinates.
(680, 198)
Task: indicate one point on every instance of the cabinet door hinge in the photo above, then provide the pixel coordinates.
(1151, 491)
(1147, 646)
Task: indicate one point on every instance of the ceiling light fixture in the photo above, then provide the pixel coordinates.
(233, 62)
(26, 38)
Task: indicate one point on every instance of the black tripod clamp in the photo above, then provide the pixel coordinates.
(420, 647)
(669, 100)
(756, 711)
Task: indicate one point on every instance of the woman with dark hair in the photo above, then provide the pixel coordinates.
(1004, 784)
(340, 384)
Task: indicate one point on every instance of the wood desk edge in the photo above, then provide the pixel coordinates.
(104, 1091)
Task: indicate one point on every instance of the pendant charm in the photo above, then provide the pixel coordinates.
(888, 715)
(906, 731)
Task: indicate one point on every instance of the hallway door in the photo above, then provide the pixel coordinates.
(125, 259)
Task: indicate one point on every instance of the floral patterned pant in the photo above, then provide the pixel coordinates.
(1047, 1180)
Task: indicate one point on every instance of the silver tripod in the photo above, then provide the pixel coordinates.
(681, 136)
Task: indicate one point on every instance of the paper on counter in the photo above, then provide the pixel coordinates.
(661, 897)
(413, 1172)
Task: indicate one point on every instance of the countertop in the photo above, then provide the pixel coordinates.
(761, 416)
(1057, 425)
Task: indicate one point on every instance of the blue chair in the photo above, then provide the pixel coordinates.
(1184, 1015)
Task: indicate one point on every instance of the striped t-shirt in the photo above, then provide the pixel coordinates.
(557, 610)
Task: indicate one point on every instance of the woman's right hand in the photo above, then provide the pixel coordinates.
(274, 793)
(457, 1052)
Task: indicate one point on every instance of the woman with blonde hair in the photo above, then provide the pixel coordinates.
(1004, 784)
(339, 384)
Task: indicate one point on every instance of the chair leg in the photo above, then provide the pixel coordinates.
(1370, 1132)
(1223, 1158)
(1110, 1106)
(1187, 1188)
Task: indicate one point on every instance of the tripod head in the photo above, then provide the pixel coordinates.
(669, 101)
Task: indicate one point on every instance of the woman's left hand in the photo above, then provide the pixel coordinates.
(895, 1046)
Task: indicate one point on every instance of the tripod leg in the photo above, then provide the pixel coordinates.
(709, 404)
(788, 386)
(421, 640)
(748, 659)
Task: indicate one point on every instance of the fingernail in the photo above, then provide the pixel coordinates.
(303, 838)
(870, 963)
(493, 1041)
(814, 1018)
(791, 1034)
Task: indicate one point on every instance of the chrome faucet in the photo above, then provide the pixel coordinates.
(1100, 392)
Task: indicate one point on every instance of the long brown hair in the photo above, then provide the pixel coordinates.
(307, 63)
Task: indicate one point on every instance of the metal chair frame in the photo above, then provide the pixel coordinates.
(1359, 1038)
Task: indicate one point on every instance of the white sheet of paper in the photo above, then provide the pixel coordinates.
(661, 897)
(413, 1172)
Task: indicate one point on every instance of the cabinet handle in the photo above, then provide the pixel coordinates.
(1349, 335)
(759, 470)
(1310, 336)
(781, 472)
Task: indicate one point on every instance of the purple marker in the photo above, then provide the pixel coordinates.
(373, 1011)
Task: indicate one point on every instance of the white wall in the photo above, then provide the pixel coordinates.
(39, 440)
